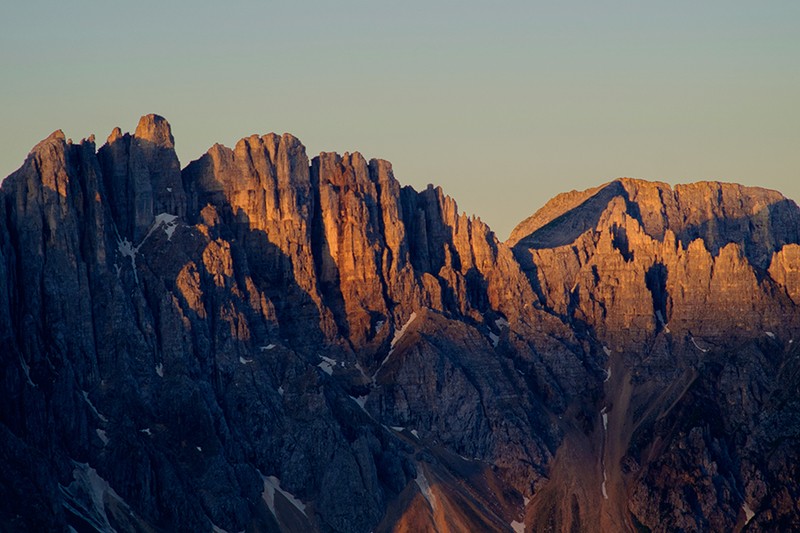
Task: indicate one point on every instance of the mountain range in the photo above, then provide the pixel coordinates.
(262, 342)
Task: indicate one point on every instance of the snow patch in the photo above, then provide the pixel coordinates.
(280, 390)
(168, 222)
(361, 401)
(748, 513)
(398, 428)
(272, 484)
(92, 407)
(425, 488)
(199, 449)
(414, 432)
(608, 374)
(399, 334)
(127, 249)
(660, 318)
(501, 323)
(495, 339)
(102, 435)
(267, 347)
(603, 486)
(327, 365)
(770, 334)
(146, 431)
(160, 370)
(169, 189)
(704, 350)
(27, 370)
(85, 496)
(605, 420)
(607, 351)
(518, 527)
(245, 361)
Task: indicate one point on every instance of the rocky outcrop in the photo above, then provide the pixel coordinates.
(206, 349)
(684, 289)
(265, 342)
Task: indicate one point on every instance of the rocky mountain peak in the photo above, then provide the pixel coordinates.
(156, 130)
(260, 341)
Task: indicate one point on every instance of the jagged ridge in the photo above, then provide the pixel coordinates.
(249, 343)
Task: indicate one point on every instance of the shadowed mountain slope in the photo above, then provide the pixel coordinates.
(264, 342)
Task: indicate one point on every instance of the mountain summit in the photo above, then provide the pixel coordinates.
(264, 342)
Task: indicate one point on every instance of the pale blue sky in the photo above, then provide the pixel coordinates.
(504, 104)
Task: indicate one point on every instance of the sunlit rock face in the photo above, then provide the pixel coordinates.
(265, 341)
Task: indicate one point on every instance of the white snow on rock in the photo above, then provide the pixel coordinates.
(85, 496)
(199, 449)
(495, 339)
(425, 487)
(518, 527)
(245, 361)
(280, 390)
(267, 347)
(608, 374)
(399, 334)
(660, 318)
(704, 350)
(26, 370)
(327, 365)
(92, 407)
(102, 435)
(607, 351)
(160, 370)
(146, 431)
(167, 221)
(414, 432)
(127, 249)
(770, 334)
(501, 323)
(361, 401)
(272, 484)
(398, 428)
(748, 513)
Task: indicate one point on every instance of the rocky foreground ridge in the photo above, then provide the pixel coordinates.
(259, 342)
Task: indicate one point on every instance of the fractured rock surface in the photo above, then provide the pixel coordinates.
(265, 342)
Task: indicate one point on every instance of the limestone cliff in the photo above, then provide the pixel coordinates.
(265, 342)
(692, 293)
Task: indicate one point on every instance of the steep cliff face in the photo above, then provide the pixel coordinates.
(265, 342)
(209, 348)
(691, 291)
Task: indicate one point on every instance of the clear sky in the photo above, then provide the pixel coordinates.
(503, 104)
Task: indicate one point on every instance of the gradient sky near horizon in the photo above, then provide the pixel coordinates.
(503, 104)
